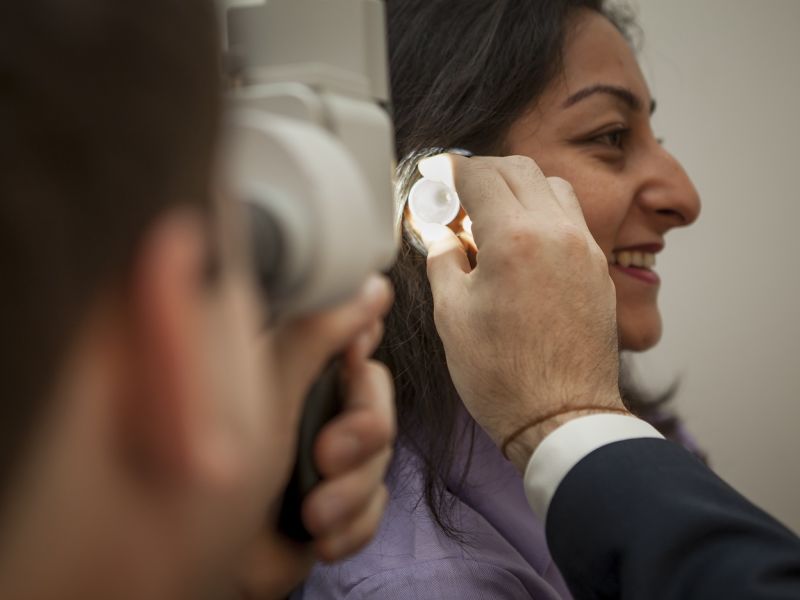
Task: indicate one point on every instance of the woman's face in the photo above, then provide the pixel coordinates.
(592, 128)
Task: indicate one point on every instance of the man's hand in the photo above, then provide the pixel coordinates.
(352, 452)
(531, 331)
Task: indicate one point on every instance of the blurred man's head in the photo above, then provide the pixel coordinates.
(132, 414)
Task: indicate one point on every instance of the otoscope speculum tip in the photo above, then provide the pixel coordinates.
(433, 202)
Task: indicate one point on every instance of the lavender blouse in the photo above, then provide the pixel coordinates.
(504, 555)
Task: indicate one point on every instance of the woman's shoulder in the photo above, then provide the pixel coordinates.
(445, 578)
(412, 557)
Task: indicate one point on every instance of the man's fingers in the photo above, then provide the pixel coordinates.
(306, 345)
(566, 197)
(351, 441)
(365, 428)
(483, 191)
(333, 330)
(527, 182)
(357, 534)
(365, 344)
(447, 259)
(353, 454)
(335, 502)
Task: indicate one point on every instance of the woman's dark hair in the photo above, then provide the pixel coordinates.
(462, 72)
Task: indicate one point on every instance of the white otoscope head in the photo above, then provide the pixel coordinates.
(433, 202)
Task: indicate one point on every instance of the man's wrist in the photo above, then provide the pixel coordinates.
(563, 448)
(520, 450)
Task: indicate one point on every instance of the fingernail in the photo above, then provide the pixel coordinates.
(436, 166)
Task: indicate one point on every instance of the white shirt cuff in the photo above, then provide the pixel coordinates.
(565, 447)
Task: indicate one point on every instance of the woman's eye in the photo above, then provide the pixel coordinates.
(613, 138)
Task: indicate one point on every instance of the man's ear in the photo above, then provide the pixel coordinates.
(165, 412)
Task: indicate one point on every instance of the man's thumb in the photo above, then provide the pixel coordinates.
(447, 259)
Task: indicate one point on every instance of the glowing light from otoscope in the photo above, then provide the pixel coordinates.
(466, 225)
(433, 202)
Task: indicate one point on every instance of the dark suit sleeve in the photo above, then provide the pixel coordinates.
(645, 520)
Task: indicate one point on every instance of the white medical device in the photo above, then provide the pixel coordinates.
(433, 202)
(311, 146)
(310, 151)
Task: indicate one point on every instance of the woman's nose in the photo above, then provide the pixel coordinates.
(668, 193)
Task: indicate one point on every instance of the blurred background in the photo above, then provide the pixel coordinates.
(726, 74)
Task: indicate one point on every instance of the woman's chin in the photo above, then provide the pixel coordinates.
(639, 334)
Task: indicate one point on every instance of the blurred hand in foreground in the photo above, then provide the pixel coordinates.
(352, 452)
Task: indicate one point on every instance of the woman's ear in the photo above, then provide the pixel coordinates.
(163, 421)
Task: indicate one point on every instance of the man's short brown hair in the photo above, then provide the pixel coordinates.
(109, 112)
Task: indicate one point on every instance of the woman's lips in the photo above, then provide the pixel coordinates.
(645, 275)
(638, 261)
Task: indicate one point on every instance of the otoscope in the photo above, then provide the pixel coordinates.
(432, 202)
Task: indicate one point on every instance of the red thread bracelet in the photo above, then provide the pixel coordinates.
(557, 413)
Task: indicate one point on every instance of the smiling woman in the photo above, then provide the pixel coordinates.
(557, 81)
(592, 127)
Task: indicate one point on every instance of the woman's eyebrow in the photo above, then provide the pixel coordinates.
(627, 96)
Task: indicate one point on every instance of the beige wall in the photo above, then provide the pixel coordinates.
(726, 74)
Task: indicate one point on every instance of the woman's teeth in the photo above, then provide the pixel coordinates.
(640, 260)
